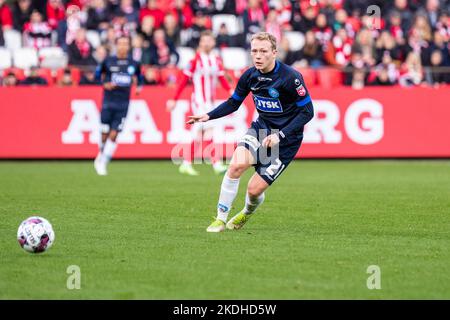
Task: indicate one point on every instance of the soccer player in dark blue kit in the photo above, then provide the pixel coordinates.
(118, 72)
(284, 107)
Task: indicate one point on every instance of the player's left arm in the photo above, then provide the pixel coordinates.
(139, 78)
(296, 87)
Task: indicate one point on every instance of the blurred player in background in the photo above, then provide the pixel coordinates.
(204, 70)
(118, 72)
(271, 143)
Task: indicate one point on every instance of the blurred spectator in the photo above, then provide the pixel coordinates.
(138, 51)
(98, 15)
(37, 33)
(443, 25)
(130, 13)
(100, 54)
(88, 78)
(69, 27)
(22, 10)
(172, 29)
(121, 26)
(146, 30)
(253, 17)
(364, 43)
(340, 50)
(356, 71)
(322, 31)
(437, 74)
(272, 24)
(6, 20)
(34, 78)
(152, 10)
(411, 71)
(386, 43)
(80, 50)
(110, 41)
(385, 73)
(284, 14)
(382, 78)
(228, 7)
(440, 43)
(223, 38)
(162, 52)
(431, 12)
(66, 79)
(55, 13)
(311, 54)
(206, 7)
(182, 13)
(309, 21)
(406, 15)
(10, 80)
(201, 23)
(421, 28)
(151, 77)
(341, 21)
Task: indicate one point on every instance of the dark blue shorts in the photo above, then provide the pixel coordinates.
(113, 118)
(270, 163)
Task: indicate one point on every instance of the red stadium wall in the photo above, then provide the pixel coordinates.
(374, 122)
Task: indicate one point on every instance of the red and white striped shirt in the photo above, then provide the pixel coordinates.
(204, 70)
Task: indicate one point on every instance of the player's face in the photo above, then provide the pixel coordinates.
(123, 45)
(207, 43)
(263, 56)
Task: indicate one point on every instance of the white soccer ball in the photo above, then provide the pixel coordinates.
(35, 235)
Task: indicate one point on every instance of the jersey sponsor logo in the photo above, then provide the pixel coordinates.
(131, 70)
(267, 104)
(121, 79)
(264, 79)
(274, 93)
(301, 90)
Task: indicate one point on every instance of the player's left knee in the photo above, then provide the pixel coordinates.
(254, 191)
(113, 135)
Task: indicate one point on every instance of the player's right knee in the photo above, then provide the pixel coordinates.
(236, 170)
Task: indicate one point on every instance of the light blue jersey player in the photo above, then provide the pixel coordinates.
(271, 143)
(118, 73)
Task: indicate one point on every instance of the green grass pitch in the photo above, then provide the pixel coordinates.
(139, 233)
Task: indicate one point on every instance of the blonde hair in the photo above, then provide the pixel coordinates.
(266, 36)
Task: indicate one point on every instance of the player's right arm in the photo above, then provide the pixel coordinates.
(231, 105)
(99, 72)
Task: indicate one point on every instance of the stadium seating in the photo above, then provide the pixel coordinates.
(13, 39)
(25, 58)
(186, 55)
(234, 25)
(309, 76)
(47, 75)
(75, 73)
(329, 77)
(93, 37)
(5, 58)
(53, 58)
(234, 58)
(296, 40)
(19, 73)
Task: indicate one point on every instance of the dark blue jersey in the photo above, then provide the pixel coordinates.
(119, 72)
(280, 96)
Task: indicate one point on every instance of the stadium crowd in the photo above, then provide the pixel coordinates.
(407, 44)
